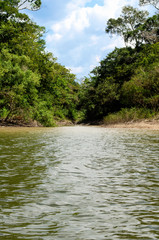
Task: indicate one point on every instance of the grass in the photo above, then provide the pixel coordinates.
(130, 114)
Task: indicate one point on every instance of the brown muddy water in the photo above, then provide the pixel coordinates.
(79, 183)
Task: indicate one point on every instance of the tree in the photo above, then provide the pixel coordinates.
(127, 24)
(150, 29)
(23, 4)
(143, 89)
(154, 3)
(31, 4)
(32, 84)
(127, 77)
(18, 84)
(119, 64)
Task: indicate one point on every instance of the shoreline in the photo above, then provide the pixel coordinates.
(143, 124)
(32, 124)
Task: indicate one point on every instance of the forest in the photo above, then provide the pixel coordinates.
(35, 87)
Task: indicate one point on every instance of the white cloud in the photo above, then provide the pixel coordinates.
(81, 18)
(53, 37)
(79, 37)
(76, 70)
(76, 21)
(97, 59)
(114, 42)
(74, 4)
(94, 39)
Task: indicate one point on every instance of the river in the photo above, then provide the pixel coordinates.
(79, 183)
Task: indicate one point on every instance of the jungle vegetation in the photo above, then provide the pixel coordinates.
(34, 86)
(125, 86)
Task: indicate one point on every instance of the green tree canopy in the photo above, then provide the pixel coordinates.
(18, 84)
(150, 29)
(32, 83)
(116, 82)
(127, 24)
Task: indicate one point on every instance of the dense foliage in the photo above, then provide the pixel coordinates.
(128, 78)
(127, 25)
(33, 86)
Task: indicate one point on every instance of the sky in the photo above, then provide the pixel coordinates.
(75, 31)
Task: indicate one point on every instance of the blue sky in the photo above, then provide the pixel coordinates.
(75, 31)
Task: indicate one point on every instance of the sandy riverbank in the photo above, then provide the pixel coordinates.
(145, 124)
(15, 123)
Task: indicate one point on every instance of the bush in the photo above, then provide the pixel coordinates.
(3, 113)
(44, 115)
(143, 89)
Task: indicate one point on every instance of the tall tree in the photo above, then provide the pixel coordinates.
(127, 24)
(154, 3)
(150, 29)
(31, 4)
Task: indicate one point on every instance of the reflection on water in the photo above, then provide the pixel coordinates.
(79, 183)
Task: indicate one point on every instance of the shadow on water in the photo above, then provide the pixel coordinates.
(79, 183)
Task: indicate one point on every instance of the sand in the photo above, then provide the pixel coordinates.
(145, 124)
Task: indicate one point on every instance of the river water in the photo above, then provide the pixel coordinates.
(79, 183)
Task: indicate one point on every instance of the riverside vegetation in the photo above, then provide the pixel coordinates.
(35, 87)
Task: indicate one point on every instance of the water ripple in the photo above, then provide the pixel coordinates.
(79, 183)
